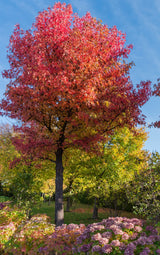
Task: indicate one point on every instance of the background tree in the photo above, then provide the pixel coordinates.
(7, 154)
(69, 86)
(25, 187)
(48, 190)
(72, 164)
(144, 190)
(104, 178)
(21, 181)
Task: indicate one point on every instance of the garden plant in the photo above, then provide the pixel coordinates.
(113, 235)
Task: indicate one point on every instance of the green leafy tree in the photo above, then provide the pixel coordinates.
(25, 188)
(104, 177)
(8, 153)
(21, 180)
(48, 189)
(144, 190)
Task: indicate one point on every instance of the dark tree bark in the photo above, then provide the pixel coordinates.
(69, 204)
(95, 209)
(69, 198)
(59, 210)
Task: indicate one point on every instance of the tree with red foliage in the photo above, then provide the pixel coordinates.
(69, 86)
(156, 92)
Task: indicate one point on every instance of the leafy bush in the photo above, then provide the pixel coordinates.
(26, 189)
(9, 221)
(29, 236)
(144, 193)
(4, 199)
(117, 200)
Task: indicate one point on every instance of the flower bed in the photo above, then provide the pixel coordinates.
(118, 235)
(115, 235)
(30, 236)
(9, 221)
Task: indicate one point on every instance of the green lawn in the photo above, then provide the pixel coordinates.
(4, 199)
(80, 213)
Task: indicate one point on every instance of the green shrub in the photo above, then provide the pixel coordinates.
(144, 193)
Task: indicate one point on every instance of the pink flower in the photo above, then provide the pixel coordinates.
(133, 236)
(118, 232)
(137, 228)
(103, 241)
(72, 226)
(96, 237)
(107, 234)
(107, 248)
(125, 236)
(115, 243)
(116, 229)
(136, 221)
(127, 225)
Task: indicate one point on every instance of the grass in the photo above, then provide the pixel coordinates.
(4, 199)
(80, 213)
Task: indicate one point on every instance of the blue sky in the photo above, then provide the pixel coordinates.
(139, 19)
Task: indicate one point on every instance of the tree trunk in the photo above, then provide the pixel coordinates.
(59, 210)
(95, 209)
(69, 204)
(115, 208)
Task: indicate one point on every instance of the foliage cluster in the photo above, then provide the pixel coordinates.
(144, 190)
(25, 188)
(10, 218)
(104, 177)
(23, 180)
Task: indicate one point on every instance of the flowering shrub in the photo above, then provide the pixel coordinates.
(29, 236)
(117, 235)
(63, 239)
(2, 205)
(9, 221)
